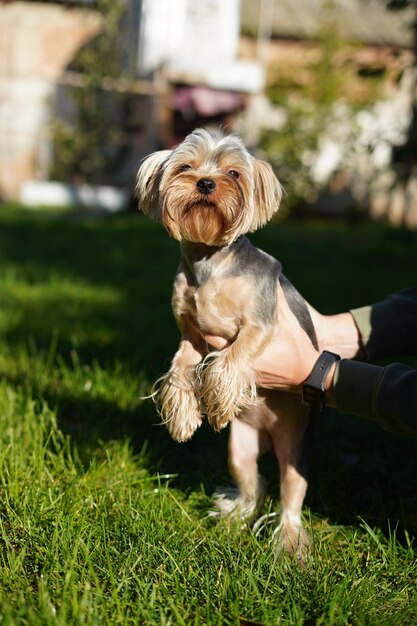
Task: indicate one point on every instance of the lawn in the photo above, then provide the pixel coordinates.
(104, 519)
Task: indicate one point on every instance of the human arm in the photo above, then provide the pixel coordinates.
(389, 328)
(387, 395)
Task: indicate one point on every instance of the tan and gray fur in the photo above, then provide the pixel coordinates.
(208, 192)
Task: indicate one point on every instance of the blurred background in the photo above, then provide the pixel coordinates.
(323, 89)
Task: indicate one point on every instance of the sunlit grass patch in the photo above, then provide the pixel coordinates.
(103, 519)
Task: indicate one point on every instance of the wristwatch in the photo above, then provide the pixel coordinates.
(314, 394)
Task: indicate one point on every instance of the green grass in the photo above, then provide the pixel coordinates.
(103, 519)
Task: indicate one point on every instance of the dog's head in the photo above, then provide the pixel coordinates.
(209, 189)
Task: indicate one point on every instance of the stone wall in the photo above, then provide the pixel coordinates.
(37, 42)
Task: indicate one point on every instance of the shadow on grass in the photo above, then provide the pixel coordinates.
(104, 286)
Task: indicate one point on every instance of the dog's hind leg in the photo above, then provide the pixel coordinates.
(288, 437)
(246, 445)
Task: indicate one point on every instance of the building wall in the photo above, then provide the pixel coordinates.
(37, 41)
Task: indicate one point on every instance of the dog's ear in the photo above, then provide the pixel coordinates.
(267, 193)
(147, 183)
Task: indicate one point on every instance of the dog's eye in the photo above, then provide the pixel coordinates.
(184, 168)
(234, 174)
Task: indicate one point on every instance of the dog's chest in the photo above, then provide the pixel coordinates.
(216, 307)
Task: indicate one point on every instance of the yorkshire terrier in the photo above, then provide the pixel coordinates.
(208, 192)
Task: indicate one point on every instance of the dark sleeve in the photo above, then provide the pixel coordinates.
(389, 328)
(386, 395)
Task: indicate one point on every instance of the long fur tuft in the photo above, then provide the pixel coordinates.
(228, 387)
(267, 194)
(148, 181)
(178, 405)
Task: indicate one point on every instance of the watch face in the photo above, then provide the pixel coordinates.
(313, 397)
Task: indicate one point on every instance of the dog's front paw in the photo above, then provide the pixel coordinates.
(178, 406)
(228, 388)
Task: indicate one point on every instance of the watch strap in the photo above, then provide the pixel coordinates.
(314, 394)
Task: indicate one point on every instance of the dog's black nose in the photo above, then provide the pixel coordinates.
(206, 185)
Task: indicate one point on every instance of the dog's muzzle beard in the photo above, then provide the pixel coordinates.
(201, 219)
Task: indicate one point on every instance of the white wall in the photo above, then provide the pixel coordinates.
(193, 33)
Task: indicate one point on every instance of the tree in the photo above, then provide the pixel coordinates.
(89, 142)
(405, 156)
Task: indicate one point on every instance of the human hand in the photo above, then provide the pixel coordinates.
(289, 357)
